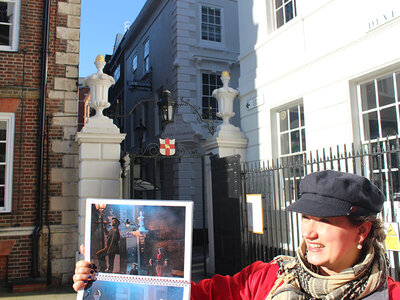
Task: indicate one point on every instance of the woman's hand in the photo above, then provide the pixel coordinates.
(84, 272)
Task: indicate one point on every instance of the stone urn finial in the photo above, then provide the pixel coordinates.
(99, 84)
(225, 96)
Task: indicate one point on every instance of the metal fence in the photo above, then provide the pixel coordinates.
(278, 183)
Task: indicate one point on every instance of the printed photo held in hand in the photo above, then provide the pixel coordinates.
(123, 238)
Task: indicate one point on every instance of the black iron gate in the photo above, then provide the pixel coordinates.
(226, 214)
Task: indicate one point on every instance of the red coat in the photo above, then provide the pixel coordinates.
(253, 283)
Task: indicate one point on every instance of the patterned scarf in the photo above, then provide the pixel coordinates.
(302, 282)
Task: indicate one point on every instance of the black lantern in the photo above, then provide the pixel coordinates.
(140, 129)
(167, 107)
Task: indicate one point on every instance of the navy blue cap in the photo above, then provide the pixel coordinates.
(334, 194)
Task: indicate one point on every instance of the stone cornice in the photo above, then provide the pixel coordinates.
(16, 231)
(104, 138)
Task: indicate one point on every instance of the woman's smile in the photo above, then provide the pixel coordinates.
(331, 242)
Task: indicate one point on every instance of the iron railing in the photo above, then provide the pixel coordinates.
(278, 182)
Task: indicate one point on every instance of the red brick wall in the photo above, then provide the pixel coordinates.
(20, 78)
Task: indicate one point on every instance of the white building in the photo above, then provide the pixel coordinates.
(182, 46)
(320, 75)
(334, 65)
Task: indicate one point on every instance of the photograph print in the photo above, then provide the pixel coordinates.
(143, 242)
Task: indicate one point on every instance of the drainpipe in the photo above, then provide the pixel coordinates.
(42, 122)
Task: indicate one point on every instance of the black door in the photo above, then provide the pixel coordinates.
(226, 211)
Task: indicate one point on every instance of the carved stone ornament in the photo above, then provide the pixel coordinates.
(99, 83)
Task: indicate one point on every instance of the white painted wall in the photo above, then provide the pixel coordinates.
(319, 57)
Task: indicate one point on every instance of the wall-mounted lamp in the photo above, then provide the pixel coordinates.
(100, 206)
(167, 107)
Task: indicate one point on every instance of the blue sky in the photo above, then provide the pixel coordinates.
(101, 20)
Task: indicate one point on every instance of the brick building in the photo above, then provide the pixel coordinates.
(39, 54)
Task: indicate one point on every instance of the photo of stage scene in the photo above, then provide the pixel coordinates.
(138, 239)
(108, 290)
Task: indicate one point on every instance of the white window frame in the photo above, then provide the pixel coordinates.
(378, 108)
(381, 138)
(146, 56)
(208, 96)
(301, 129)
(208, 42)
(8, 179)
(14, 27)
(134, 65)
(275, 9)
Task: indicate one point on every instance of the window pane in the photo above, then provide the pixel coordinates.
(302, 115)
(213, 80)
(205, 102)
(211, 24)
(388, 121)
(386, 91)
(279, 17)
(2, 174)
(2, 196)
(398, 86)
(395, 181)
(210, 82)
(288, 11)
(294, 118)
(5, 35)
(283, 121)
(3, 130)
(211, 36)
(394, 156)
(368, 96)
(205, 79)
(134, 63)
(303, 140)
(371, 130)
(285, 143)
(213, 102)
(2, 152)
(295, 141)
(278, 3)
(206, 90)
(6, 12)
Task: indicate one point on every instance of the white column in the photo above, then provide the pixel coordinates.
(228, 140)
(99, 149)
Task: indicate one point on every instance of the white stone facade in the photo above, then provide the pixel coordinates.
(319, 58)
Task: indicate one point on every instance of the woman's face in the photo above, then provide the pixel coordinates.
(332, 242)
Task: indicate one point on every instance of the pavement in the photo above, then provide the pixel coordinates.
(56, 293)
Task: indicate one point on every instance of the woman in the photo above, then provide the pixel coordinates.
(160, 262)
(340, 257)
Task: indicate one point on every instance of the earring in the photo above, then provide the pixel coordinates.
(359, 246)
